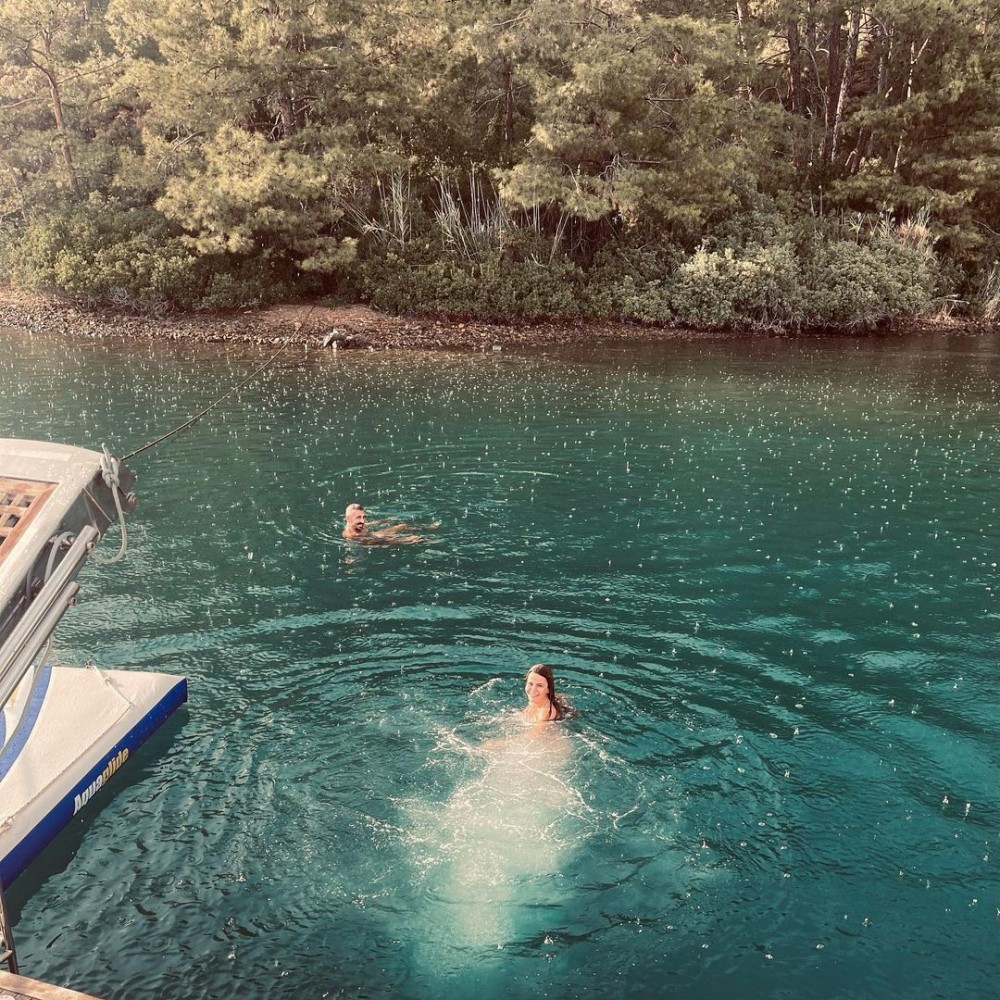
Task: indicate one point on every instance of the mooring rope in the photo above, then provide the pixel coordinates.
(110, 464)
(187, 423)
(110, 467)
(211, 406)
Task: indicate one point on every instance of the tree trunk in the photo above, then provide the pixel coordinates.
(742, 17)
(508, 99)
(57, 113)
(865, 148)
(847, 80)
(907, 94)
(795, 103)
(286, 111)
(812, 93)
(834, 38)
(796, 98)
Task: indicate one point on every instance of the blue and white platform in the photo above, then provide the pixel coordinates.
(65, 732)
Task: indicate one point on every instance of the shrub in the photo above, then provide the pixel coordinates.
(98, 252)
(807, 277)
(631, 282)
(231, 282)
(759, 289)
(989, 296)
(852, 284)
(102, 253)
(497, 288)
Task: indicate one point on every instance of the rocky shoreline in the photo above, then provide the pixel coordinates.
(358, 327)
(314, 325)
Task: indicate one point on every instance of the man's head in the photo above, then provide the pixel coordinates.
(354, 520)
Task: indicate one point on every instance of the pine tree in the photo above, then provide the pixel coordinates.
(55, 81)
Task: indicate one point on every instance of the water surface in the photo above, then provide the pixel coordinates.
(765, 573)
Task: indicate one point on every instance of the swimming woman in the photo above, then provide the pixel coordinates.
(544, 705)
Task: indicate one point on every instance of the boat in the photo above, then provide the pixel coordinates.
(65, 731)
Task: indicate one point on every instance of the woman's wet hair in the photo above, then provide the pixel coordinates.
(563, 709)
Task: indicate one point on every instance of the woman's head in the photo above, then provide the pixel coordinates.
(541, 672)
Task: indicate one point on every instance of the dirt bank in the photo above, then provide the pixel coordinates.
(358, 327)
(315, 325)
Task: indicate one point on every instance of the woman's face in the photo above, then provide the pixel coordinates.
(536, 687)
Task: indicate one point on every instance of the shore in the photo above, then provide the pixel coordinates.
(350, 327)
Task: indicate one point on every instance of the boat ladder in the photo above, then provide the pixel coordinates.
(8, 953)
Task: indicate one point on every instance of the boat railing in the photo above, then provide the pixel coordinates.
(40, 619)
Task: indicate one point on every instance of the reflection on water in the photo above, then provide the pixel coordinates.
(765, 573)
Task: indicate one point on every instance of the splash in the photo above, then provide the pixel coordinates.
(492, 855)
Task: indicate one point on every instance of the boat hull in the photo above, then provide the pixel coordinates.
(64, 744)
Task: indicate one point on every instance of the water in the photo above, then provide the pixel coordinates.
(766, 575)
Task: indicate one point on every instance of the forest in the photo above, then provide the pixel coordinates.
(750, 165)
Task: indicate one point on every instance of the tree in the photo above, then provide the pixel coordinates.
(54, 75)
(252, 111)
(629, 123)
(923, 132)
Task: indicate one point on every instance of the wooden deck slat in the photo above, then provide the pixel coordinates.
(20, 500)
(20, 988)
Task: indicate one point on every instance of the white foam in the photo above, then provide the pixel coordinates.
(501, 839)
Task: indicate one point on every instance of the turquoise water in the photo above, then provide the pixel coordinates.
(766, 576)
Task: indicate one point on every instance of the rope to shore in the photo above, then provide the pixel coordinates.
(110, 465)
(211, 406)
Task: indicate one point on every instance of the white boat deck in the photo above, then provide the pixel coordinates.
(20, 988)
(65, 732)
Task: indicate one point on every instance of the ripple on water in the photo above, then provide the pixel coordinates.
(762, 575)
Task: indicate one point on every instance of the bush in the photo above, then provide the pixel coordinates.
(758, 272)
(99, 252)
(833, 277)
(851, 284)
(231, 282)
(760, 289)
(631, 282)
(806, 277)
(988, 298)
(496, 288)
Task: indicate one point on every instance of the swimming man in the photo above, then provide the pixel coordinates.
(357, 529)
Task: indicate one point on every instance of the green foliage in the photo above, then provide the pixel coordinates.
(101, 253)
(507, 157)
(497, 288)
(809, 278)
(250, 193)
(629, 281)
(235, 283)
(98, 252)
(720, 288)
(800, 277)
(988, 296)
(863, 286)
(621, 131)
